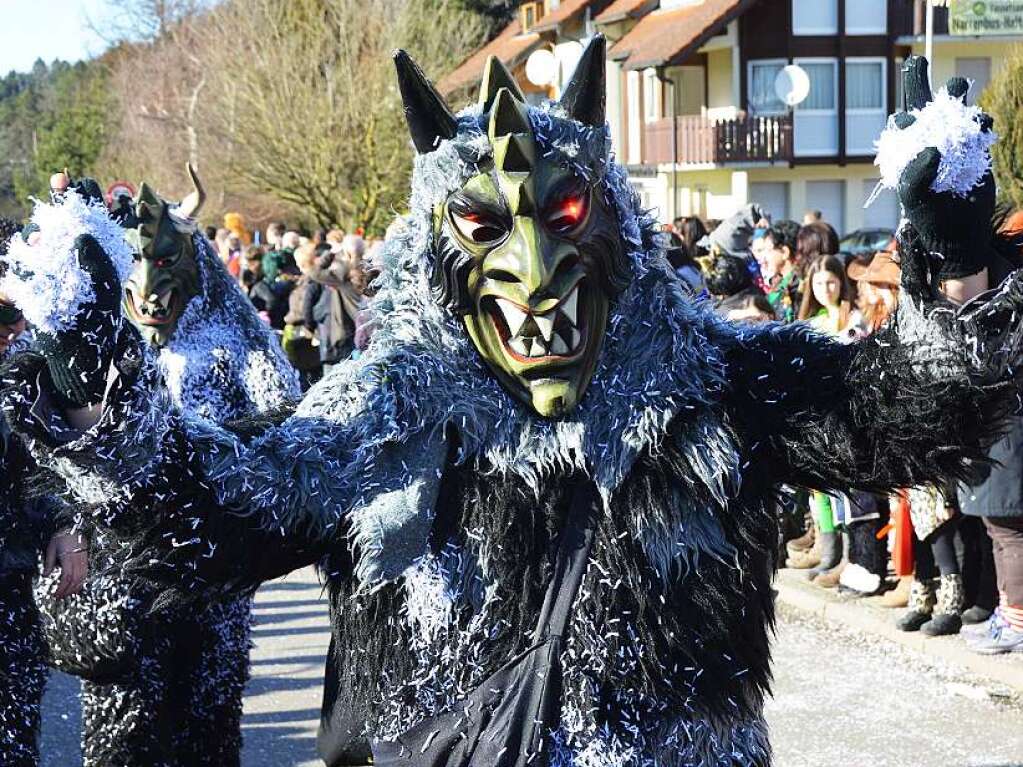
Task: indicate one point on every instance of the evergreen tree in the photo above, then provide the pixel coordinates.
(1003, 100)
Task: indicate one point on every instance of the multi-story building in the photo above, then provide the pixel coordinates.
(692, 102)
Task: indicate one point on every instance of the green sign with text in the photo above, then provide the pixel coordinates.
(985, 17)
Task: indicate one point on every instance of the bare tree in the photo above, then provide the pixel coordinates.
(307, 106)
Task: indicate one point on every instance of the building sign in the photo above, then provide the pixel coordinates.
(985, 17)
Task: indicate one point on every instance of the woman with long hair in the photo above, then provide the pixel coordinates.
(827, 305)
(828, 299)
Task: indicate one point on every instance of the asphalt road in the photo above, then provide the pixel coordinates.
(842, 699)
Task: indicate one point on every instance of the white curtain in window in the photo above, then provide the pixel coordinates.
(866, 17)
(815, 17)
(762, 97)
(822, 86)
(864, 85)
(866, 105)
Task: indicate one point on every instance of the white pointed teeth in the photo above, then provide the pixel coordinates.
(519, 346)
(535, 336)
(570, 306)
(513, 315)
(545, 322)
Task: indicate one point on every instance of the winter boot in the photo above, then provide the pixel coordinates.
(920, 603)
(976, 614)
(830, 578)
(804, 560)
(899, 596)
(805, 541)
(945, 619)
(830, 552)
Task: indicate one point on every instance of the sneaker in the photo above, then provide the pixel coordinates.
(1005, 640)
(984, 630)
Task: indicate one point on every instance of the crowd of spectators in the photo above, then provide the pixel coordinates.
(309, 287)
(950, 558)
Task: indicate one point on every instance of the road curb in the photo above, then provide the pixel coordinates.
(794, 591)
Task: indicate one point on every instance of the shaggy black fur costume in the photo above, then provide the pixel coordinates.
(437, 503)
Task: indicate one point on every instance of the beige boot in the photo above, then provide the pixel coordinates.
(804, 542)
(899, 596)
(829, 578)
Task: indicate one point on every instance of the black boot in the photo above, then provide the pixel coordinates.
(921, 605)
(947, 608)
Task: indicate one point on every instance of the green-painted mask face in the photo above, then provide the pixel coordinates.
(166, 274)
(530, 256)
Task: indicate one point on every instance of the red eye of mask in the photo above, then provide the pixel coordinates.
(567, 214)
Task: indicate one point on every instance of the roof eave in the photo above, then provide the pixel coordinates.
(696, 43)
(447, 88)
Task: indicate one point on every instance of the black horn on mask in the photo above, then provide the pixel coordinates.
(584, 96)
(428, 117)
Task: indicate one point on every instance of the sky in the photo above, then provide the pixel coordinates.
(47, 29)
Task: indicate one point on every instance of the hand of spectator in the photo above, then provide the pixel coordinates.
(71, 552)
(88, 188)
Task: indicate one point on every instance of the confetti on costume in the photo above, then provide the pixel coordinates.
(163, 685)
(543, 497)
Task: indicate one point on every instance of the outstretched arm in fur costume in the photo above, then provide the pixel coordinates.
(211, 505)
(918, 402)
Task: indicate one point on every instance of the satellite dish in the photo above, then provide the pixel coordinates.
(541, 67)
(792, 85)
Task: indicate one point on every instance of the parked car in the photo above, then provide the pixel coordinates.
(865, 241)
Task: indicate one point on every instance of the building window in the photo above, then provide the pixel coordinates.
(866, 17)
(866, 103)
(883, 212)
(531, 14)
(772, 196)
(651, 96)
(815, 17)
(634, 118)
(899, 95)
(760, 83)
(829, 198)
(816, 119)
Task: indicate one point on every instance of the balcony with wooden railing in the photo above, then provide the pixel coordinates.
(702, 141)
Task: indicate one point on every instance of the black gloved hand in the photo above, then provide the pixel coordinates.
(956, 227)
(79, 359)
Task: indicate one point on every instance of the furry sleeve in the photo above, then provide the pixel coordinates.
(223, 507)
(899, 409)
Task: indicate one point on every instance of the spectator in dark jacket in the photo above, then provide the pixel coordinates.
(278, 260)
(335, 306)
(299, 325)
(998, 500)
(258, 290)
